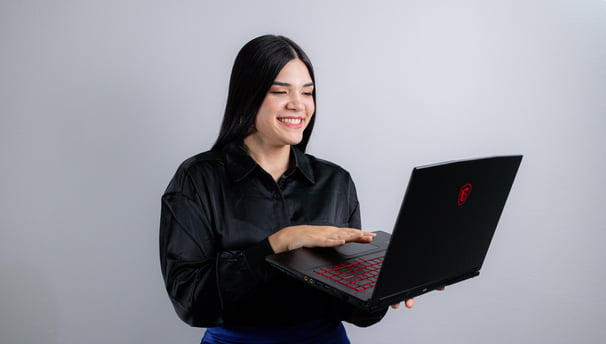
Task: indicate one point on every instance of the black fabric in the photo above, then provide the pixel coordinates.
(217, 213)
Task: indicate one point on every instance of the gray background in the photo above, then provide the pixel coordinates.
(101, 100)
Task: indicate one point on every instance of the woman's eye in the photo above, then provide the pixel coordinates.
(308, 93)
(278, 92)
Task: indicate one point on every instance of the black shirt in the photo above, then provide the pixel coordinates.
(217, 213)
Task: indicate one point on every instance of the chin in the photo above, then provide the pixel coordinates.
(293, 140)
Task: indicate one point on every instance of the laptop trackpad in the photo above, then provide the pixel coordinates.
(354, 248)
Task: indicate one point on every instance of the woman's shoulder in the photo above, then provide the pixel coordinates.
(324, 166)
(202, 160)
(205, 166)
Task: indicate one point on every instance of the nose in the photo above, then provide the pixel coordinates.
(295, 103)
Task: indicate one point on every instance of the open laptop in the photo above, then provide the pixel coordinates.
(441, 236)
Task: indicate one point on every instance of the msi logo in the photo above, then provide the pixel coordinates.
(464, 192)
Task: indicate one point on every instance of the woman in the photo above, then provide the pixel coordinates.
(253, 194)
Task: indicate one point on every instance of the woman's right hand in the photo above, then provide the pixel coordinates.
(293, 237)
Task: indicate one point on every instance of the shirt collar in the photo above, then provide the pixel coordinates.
(239, 163)
(302, 164)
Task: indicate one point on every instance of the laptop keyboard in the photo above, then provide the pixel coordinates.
(358, 274)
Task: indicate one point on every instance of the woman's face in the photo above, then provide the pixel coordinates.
(287, 107)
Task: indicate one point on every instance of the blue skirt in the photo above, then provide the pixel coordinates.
(317, 332)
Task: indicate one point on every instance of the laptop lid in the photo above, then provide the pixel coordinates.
(445, 225)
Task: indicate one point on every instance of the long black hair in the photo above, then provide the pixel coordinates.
(255, 69)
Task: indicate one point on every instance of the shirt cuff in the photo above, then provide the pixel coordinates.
(255, 257)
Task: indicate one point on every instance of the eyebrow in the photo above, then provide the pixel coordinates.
(286, 84)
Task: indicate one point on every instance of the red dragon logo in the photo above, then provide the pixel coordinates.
(464, 192)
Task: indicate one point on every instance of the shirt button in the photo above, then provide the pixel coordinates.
(276, 195)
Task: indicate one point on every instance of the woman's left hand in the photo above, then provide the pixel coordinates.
(409, 303)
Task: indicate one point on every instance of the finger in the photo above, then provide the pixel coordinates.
(351, 231)
(367, 234)
(362, 239)
(335, 236)
(395, 306)
(355, 235)
(409, 303)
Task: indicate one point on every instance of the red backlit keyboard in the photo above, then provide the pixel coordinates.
(358, 274)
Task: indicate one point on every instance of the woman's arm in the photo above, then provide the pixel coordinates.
(201, 279)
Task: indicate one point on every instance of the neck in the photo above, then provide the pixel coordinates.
(273, 159)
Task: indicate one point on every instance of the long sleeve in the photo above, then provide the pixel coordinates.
(200, 279)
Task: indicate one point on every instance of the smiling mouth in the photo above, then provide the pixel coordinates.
(291, 121)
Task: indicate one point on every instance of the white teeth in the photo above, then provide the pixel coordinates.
(290, 120)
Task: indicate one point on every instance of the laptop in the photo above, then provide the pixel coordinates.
(441, 236)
